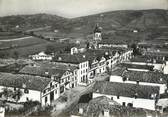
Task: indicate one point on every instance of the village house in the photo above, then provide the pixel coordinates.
(93, 62)
(80, 61)
(59, 83)
(63, 77)
(22, 87)
(148, 61)
(137, 67)
(142, 78)
(105, 107)
(134, 95)
(76, 50)
(2, 109)
(157, 54)
(41, 56)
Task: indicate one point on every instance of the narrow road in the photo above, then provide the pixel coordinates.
(17, 39)
(73, 96)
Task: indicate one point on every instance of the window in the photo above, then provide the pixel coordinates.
(111, 98)
(61, 89)
(72, 79)
(123, 103)
(46, 99)
(44, 91)
(118, 97)
(137, 82)
(14, 89)
(130, 105)
(55, 91)
(27, 98)
(55, 85)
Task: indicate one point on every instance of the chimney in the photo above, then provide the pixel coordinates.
(137, 82)
(59, 58)
(81, 110)
(46, 73)
(84, 56)
(106, 113)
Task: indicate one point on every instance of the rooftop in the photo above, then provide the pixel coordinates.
(68, 58)
(136, 66)
(42, 71)
(151, 77)
(144, 59)
(18, 80)
(126, 90)
(97, 105)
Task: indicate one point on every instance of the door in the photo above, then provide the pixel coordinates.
(52, 96)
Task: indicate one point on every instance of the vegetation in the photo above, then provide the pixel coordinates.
(8, 93)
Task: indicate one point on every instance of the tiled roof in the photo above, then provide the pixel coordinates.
(118, 71)
(68, 58)
(125, 89)
(57, 65)
(155, 54)
(151, 77)
(113, 41)
(136, 66)
(97, 105)
(18, 80)
(42, 71)
(144, 59)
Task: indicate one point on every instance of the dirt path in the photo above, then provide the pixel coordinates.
(17, 39)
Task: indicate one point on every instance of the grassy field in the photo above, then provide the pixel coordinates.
(25, 51)
(10, 35)
(20, 43)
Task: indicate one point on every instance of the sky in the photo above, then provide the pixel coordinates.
(75, 8)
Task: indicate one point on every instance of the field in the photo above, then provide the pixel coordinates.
(25, 51)
(20, 43)
(10, 35)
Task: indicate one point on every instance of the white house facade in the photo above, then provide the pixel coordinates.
(128, 94)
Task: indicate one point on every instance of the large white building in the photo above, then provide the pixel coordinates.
(41, 56)
(138, 96)
(142, 78)
(62, 77)
(24, 87)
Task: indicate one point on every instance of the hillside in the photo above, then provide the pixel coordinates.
(117, 25)
(141, 19)
(26, 22)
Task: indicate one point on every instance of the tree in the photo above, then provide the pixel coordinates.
(4, 54)
(50, 49)
(7, 93)
(17, 95)
(136, 50)
(15, 55)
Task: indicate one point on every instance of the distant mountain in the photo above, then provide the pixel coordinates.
(140, 19)
(36, 20)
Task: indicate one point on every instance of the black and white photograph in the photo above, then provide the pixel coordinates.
(83, 58)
